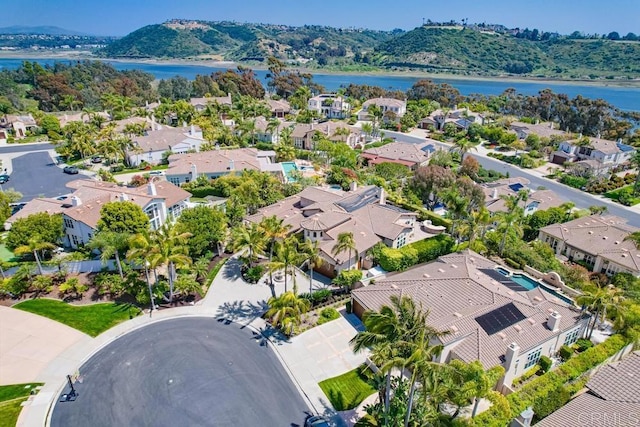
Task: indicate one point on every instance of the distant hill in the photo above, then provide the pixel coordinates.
(470, 50)
(49, 30)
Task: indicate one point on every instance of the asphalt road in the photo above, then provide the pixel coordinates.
(184, 372)
(580, 198)
(35, 175)
(25, 148)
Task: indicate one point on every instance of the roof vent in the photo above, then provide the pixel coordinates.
(510, 292)
(617, 242)
(426, 275)
(457, 314)
(517, 328)
(604, 237)
(441, 270)
(454, 266)
(454, 329)
(590, 231)
(502, 335)
(537, 298)
(532, 321)
(394, 286)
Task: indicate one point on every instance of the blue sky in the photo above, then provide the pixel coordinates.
(119, 17)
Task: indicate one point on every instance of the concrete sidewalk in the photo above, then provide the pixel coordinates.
(315, 355)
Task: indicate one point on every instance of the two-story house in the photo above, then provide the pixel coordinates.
(200, 104)
(404, 153)
(392, 109)
(151, 146)
(535, 200)
(596, 155)
(321, 214)
(161, 201)
(330, 106)
(303, 134)
(597, 241)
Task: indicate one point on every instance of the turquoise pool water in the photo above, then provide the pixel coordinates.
(525, 281)
(288, 169)
(503, 271)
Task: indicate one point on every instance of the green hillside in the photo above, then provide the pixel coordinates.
(456, 49)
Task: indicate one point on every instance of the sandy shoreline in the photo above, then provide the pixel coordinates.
(82, 55)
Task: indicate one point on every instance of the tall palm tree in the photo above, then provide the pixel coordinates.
(140, 248)
(287, 257)
(457, 206)
(170, 249)
(344, 243)
(274, 229)
(311, 253)
(593, 299)
(462, 146)
(509, 222)
(250, 238)
(35, 246)
(110, 244)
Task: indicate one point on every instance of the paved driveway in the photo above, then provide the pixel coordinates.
(35, 175)
(184, 372)
(29, 343)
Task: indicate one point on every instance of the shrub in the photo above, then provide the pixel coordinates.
(253, 274)
(528, 374)
(565, 353)
(511, 263)
(418, 252)
(583, 344)
(545, 363)
(328, 314)
(348, 278)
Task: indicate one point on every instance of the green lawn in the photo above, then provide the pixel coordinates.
(624, 193)
(348, 390)
(90, 319)
(6, 254)
(11, 396)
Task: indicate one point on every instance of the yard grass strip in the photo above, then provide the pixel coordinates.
(91, 319)
(348, 390)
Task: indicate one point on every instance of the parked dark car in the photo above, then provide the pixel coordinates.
(71, 170)
(317, 421)
(4, 178)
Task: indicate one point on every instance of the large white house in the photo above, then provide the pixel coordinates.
(151, 147)
(161, 201)
(489, 317)
(597, 156)
(330, 106)
(392, 109)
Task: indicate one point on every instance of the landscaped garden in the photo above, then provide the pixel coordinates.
(11, 398)
(91, 319)
(348, 390)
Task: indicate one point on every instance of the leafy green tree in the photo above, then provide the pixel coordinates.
(123, 217)
(186, 284)
(208, 228)
(40, 227)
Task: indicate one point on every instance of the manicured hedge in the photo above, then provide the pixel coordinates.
(415, 253)
(550, 391)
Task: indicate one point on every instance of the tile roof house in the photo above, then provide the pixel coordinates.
(18, 124)
(321, 214)
(392, 109)
(612, 398)
(160, 139)
(161, 201)
(537, 200)
(279, 108)
(461, 118)
(490, 318)
(404, 153)
(329, 105)
(543, 130)
(186, 167)
(201, 103)
(302, 134)
(598, 156)
(596, 240)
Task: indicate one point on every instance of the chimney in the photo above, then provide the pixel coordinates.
(146, 104)
(184, 124)
(75, 201)
(494, 194)
(524, 419)
(311, 125)
(151, 189)
(353, 186)
(153, 122)
(231, 165)
(192, 130)
(383, 196)
(511, 356)
(194, 171)
(553, 322)
(123, 197)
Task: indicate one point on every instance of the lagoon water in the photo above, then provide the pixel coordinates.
(625, 98)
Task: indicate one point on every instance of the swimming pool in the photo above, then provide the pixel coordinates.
(288, 168)
(525, 281)
(503, 271)
(529, 283)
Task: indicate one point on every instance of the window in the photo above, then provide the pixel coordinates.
(174, 180)
(68, 223)
(571, 337)
(533, 357)
(402, 240)
(74, 240)
(154, 216)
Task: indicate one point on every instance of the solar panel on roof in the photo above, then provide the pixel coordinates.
(516, 187)
(500, 318)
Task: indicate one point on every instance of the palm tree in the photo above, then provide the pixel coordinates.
(457, 207)
(249, 238)
(110, 244)
(285, 311)
(171, 250)
(287, 257)
(594, 300)
(274, 229)
(635, 238)
(141, 247)
(509, 221)
(462, 146)
(34, 246)
(311, 253)
(344, 243)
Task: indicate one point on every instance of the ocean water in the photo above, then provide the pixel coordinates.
(625, 98)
